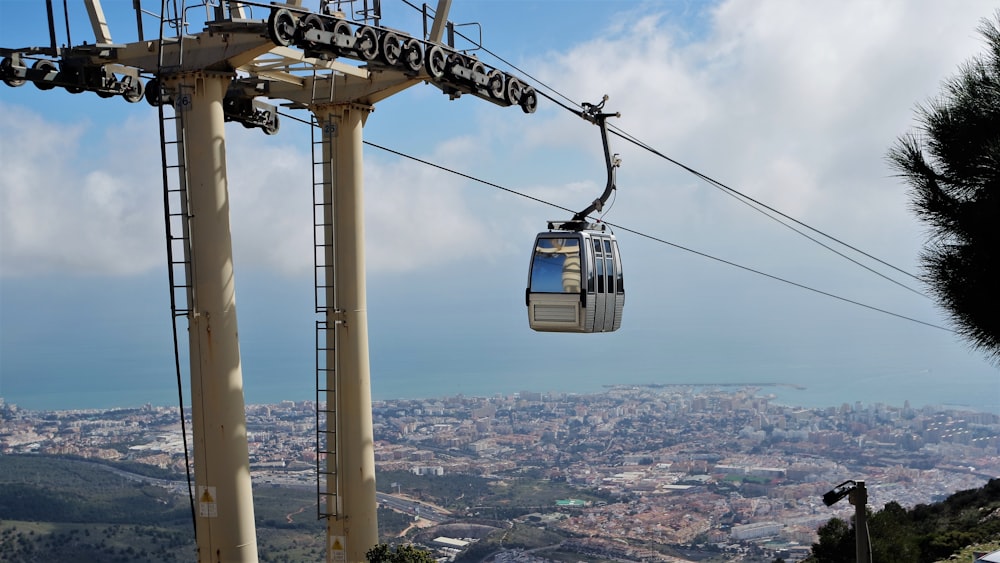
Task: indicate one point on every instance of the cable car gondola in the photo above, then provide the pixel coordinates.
(575, 277)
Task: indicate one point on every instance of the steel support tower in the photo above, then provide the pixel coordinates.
(225, 517)
(220, 74)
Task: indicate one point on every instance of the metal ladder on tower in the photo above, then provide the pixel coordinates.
(172, 154)
(324, 255)
(177, 215)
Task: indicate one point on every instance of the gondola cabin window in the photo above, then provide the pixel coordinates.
(556, 266)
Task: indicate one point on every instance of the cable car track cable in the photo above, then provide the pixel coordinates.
(642, 234)
(777, 278)
(660, 240)
(761, 207)
(743, 198)
(747, 200)
(758, 206)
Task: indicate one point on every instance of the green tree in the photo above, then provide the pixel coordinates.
(893, 537)
(836, 543)
(952, 165)
(383, 553)
(923, 534)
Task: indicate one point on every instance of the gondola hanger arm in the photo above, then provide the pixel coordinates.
(593, 114)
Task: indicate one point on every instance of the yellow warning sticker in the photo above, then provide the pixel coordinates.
(338, 548)
(207, 505)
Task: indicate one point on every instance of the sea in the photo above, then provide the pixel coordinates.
(269, 384)
(96, 358)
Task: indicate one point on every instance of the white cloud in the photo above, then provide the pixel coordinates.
(793, 103)
(418, 217)
(271, 211)
(64, 210)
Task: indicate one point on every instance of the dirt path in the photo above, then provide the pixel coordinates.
(289, 516)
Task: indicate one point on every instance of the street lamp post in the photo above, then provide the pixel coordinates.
(857, 495)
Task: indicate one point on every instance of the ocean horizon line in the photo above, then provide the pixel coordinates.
(786, 401)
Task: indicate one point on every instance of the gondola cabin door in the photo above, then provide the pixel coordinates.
(575, 282)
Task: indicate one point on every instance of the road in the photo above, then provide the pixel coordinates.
(429, 512)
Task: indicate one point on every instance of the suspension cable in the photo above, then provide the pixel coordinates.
(642, 234)
(743, 198)
(665, 242)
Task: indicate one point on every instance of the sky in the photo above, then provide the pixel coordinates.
(793, 103)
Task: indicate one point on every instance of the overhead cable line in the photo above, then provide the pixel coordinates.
(663, 241)
(764, 209)
(751, 202)
(642, 234)
(732, 192)
(777, 278)
(761, 207)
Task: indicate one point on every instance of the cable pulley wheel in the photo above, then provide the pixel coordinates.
(529, 100)
(495, 84)
(366, 43)
(342, 35)
(413, 55)
(513, 91)
(271, 127)
(312, 22)
(342, 28)
(46, 66)
(6, 67)
(154, 93)
(436, 62)
(133, 90)
(455, 62)
(477, 68)
(281, 27)
(391, 48)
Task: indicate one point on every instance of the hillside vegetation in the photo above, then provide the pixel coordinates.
(57, 509)
(924, 534)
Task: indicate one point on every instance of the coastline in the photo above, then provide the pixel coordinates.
(778, 393)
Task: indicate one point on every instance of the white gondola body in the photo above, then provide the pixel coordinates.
(575, 282)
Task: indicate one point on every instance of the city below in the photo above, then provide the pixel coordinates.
(680, 464)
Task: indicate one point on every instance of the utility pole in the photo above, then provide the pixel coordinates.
(857, 495)
(862, 542)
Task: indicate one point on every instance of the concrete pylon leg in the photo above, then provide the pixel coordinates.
(351, 472)
(224, 505)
